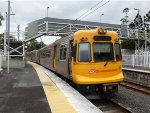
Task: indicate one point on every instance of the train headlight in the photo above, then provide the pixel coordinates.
(84, 39)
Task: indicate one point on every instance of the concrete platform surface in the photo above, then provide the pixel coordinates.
(35, 89)
(22, 92)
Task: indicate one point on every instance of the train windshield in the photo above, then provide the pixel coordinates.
(84, 52)
(103, 52)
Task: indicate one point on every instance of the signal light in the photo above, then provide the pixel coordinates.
(84, 39)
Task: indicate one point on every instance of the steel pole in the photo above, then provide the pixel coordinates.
(138, 31)
(47, 11)
(101, 18)
(145, 39)
(18, 32)
(8, 32)
(5, 37)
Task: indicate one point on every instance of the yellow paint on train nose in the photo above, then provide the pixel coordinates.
(56, 99)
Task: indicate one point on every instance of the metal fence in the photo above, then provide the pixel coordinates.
(142, 60)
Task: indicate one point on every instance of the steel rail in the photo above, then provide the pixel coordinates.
(112, 106)
(136, 87)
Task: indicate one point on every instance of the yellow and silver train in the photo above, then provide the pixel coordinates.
(91, 59)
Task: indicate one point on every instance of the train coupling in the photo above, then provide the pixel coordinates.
(111, 87)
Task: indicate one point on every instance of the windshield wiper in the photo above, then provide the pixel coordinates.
(105, 64)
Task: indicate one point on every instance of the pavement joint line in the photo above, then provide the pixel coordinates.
(58, 103)
(78, 101)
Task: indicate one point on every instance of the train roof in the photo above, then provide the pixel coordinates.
(96, 32)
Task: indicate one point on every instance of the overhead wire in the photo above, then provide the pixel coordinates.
(89, 10)
(77, 19)
(96, 9)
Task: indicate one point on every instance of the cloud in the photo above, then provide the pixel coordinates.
(29, 10)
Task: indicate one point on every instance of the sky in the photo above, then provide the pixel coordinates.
(27, 11)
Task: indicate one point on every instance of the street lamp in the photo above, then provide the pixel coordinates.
(47, 11)
(126, 10)
(101, 17)
(138, 27)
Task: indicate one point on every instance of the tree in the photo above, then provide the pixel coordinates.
(12, 39)
(142, 22)
(125, 20)
(1, 41)
(1, 19)
(1, 35)
(128, 44)
(42, 44)
(134, 24)
(34, 44)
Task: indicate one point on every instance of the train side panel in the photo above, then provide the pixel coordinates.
(61, 60)
(45, 57)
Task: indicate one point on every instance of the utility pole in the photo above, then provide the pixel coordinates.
(5, 37)
(18, 32)
(138, 30)
(8, 33)
(145, 39)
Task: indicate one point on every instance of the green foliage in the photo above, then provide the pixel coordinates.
(34, 44)
(134, 24)
(12, 39)
(1, 35)
(1, 19)
(1, 41)
(142, 22)
(128, 44)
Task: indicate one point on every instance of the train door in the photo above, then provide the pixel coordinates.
(54, 57)
(70, 57)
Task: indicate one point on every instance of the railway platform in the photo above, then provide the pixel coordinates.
(35, 89)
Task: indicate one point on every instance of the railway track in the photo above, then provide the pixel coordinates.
(136, 87)
(110, 106)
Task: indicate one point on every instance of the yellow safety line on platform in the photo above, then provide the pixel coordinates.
(56, 99)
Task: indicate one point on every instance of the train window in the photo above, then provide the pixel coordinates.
(63, 50)
(64, 53)
(103, 52)
(47, 53)
(84, 54)
(118, 51)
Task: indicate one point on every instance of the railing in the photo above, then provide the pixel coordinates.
(137, 60)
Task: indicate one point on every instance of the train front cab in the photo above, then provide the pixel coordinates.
(97, 59)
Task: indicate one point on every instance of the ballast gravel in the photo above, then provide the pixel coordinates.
(139, 103)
